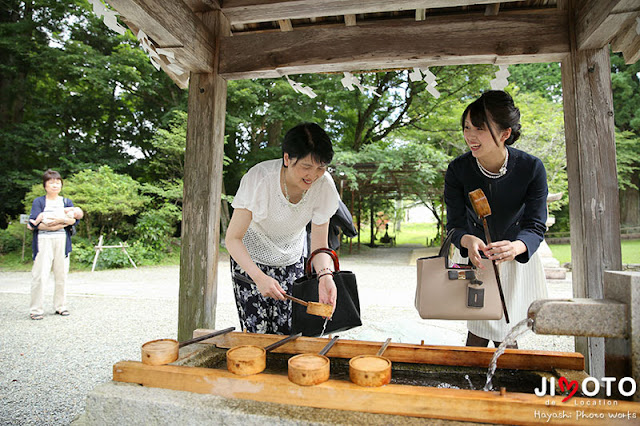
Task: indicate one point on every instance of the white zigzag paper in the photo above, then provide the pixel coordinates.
(300, 88)
(500, 82)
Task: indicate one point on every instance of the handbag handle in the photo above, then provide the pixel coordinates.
(445, 249)
(334, 257)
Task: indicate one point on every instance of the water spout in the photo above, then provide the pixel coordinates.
(579, 317)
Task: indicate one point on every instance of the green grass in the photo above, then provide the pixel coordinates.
(630, 252)
(410, 233)
(13, 261)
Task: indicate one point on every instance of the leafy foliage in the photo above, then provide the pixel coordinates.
(107, 199)
(82, 100)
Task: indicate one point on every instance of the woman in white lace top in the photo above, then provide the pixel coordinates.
(265, 238)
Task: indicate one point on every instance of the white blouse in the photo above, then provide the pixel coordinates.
(276, 234)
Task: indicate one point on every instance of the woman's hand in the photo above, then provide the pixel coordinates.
(474, 245)
(503, 251)
(327, 291)
(269, 287)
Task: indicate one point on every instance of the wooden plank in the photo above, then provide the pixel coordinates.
(593, 182)
(415, 401)
(632, 52)
(250, 11)
(625, 37)
(350, 20)
(203, 5)
(628, 42)
(181, 80)
(599, 21)
(285, 25)
(202, 189)
(171, 25)
(492, 9)
(403, 352)
(512, 37)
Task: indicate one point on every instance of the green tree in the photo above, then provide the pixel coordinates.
(74, 95)
(108, 199)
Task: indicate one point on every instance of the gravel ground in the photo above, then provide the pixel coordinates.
(47, 367)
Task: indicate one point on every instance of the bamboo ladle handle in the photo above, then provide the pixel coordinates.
(250, 281)
(295, 299)
(481, 207)
(384, 347)
(313, 308)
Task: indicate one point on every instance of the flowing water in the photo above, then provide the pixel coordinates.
(518, 330)
(324, 326)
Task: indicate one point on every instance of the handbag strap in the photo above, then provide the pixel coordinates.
(334, 257)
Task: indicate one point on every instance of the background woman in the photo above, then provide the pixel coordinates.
(515, 184)
(51, 244)
(265, 238)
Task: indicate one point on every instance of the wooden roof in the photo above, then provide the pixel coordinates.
(271, 38)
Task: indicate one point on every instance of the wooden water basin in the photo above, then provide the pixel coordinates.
(204, 371)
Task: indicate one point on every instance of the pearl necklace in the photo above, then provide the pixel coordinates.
(286, 190)
(500, 173)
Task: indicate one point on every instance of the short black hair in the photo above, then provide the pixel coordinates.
(498, 106)
(308, 138)
(50, 174)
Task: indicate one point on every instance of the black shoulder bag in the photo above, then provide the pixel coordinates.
(347, 312)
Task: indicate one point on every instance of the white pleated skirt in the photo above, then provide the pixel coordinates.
(522, 283)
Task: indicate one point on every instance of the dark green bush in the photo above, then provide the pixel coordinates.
(11, 238)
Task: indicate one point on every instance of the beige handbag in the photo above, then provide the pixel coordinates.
(456, 292)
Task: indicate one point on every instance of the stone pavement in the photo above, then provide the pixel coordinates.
(48, 367)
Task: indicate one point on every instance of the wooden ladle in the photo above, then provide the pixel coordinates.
(481, 207)
(311, 369)
(165, 351)
(246, 360)
(313, 308)
(371, 370)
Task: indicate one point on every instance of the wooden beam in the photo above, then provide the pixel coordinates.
(514, 37)
(202, 190)
(593, 181)
(631, 53)
(350, 20)
(421, 14)
(628, 42)
(492, 9)
(250, 11)
(203, 5)
(625, 36)
(599, 21)
(173, 26)
(181, 80)
(415, 401)
(285, 25)
(404, 352)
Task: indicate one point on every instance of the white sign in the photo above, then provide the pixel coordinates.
(24, 218)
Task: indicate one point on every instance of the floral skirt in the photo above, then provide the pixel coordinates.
(259, 314)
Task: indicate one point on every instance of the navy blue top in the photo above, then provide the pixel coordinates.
(518, 201)
(38, 207)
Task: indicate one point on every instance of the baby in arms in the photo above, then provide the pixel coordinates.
(58, 216)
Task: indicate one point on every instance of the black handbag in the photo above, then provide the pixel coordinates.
(347, 313)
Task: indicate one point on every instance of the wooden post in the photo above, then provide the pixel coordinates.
(593, 182)
(98, 251)
(202, 191)
(359, 218)
(373, 221)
